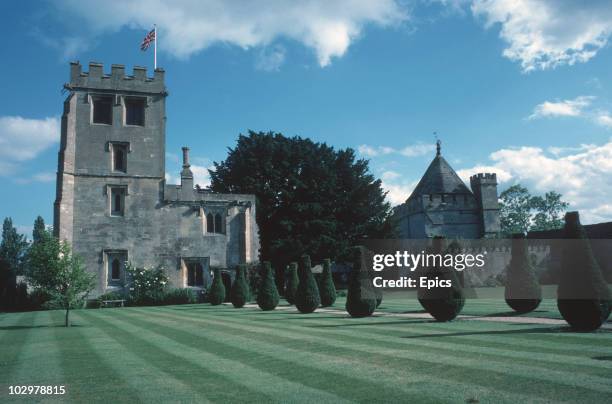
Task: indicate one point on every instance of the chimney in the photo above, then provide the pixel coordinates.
(186, 177)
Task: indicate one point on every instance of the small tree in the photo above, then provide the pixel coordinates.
(307, 297)
(583, 297)
(327, 288)
(523, 292)
(39, 229)
(292, 282)
(443, 303)
(146, 285)
(361, 298)
(216, 293)
(267, 298)
(239, 294)
(59, 274)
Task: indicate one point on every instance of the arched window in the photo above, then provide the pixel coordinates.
(218, 226)
(210, 223)
(117, 203)
(115, 269)
(119, 159)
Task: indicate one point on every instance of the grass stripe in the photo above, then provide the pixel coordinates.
(275, 388)
(386, 369)
(557, 377)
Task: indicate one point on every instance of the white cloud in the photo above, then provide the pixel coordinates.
(201, 176)
(390, 175)
(23, 139)
(415, 150)
(544, 34)
(398, 193)
(270, 59)
(572, 108)
(583, 177)
(604, 119)
(186, 27)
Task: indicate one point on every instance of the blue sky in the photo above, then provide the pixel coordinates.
(520, 88)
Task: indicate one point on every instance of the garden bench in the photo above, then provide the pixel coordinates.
(107, 303)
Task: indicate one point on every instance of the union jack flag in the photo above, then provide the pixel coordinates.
(146, 42)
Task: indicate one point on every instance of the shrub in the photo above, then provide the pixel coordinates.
(180, 296)
(267, 298)
(253, 277)
(292, 282)
(523, 292)
(22, 301)
(216, 294)
(583, 297)
(239, 294)
(327, 288)
(443, 303)
(307, 297)
(146, 285)
(361, 298)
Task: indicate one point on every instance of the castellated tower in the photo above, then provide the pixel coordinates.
(112, 201)
(484, 187)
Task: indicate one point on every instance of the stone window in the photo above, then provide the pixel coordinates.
(218, 225)
(115, 266)
(119, 156)
(195, 274)
(214, 223)
(102, 110)
(210, 223)
(134, 111)
(117, 200)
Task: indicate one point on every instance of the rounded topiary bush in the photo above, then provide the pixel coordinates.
(307, 297)
(267, 295)
(292, 282)
(361, 297)
(583, 297)
(240, 293)
(523, 291)
(216, 294)
(443, 303)
(327, 288)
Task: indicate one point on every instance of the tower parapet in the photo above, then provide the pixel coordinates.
(118, 80)
(484, 187)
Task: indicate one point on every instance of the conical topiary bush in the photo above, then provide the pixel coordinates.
(327, 288)
(216, 294)
(583, 297)
(443, 303)
(523, 291)
(292, 282)
(361, 298)
(240, 293)
(267, 296)
(307, 297)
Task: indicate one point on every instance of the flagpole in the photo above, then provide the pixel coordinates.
(155, 48)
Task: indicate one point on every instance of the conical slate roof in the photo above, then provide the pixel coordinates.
(440, 178)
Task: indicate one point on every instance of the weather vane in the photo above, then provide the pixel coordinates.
(438, 143)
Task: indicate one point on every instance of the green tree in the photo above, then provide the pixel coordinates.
(310, 197)
(267, 297)
(549, 211)
(327, 288)
(515, 210)
(55, 270)
(39, 229)
(307, 297)
(292, 281)
(239, 295)
(583, 297)
(443, 303)
(361, 297)
(216, 294)
(13, 248)
(523, 291)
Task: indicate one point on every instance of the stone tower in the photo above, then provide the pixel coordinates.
(442, 205)
(112, 201)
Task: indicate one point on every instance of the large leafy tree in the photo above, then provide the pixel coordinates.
(311, 198)
(522, 212)
(12, 251)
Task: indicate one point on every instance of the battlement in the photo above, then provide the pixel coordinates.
(483, 178)
(117, 80)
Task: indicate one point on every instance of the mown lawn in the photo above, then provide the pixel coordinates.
(221, 354)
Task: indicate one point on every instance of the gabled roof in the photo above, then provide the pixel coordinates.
(440, 178)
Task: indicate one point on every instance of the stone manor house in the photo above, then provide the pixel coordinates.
(113, 204)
